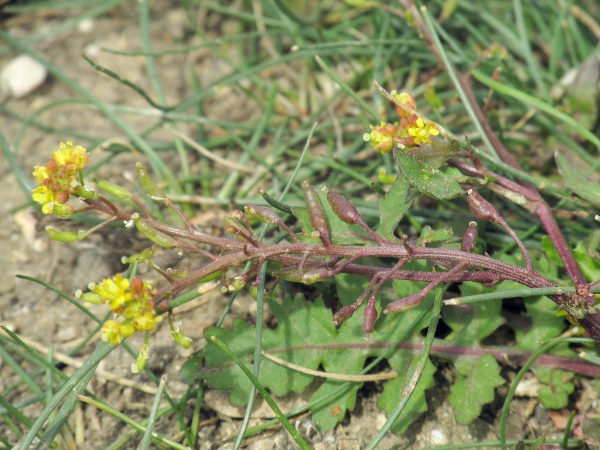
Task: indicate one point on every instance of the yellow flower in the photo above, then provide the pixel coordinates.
(41, 173)
(44, 196)
(422, 130)
(382, 136)
(114, 291)
(114, 332)
(74, 157)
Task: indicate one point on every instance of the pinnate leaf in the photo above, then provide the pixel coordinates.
(435, 183)
(477, 380)
(392, 207)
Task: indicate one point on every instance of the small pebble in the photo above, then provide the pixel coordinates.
(21, 76)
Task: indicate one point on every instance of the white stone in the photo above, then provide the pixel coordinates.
(21, 76)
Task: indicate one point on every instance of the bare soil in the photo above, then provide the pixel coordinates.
(45, 320)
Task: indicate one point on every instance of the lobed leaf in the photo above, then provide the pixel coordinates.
(435, 183)
(392, 207)
(475, 387)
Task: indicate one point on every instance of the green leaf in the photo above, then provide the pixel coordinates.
(405, 362)
(577, 183)
(555, 395)
(441, 185)
(588, 265)
(477, 381)
(305, 336)
(473, 323)
(392, 208)
(545, 323)
(429, 235)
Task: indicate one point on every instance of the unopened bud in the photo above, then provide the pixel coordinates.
(469, 238)
(404, 303)
(370, 318)
(342, 207)
(262, 213)
(149, 185)
(316, 213)
(482, 209)
(342, 315)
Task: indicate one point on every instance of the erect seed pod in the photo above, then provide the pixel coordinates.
(148, 183)
(469, 237)
(262, 213)
(316, 213)
(370, 318)
(342, 207)
(482, 209)
(404, 303)
(342, 315)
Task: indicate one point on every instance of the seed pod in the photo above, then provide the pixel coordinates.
(370, 318)
(342, 315)
(111, 188)
(469, 237)
(306, 277)
(158, 237)
(482, 209)
(262, 213)
(148, 183)
(404, 303)
(64, 236)
(316, 213)
(343, 208)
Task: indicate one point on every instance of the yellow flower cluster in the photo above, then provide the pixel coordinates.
(131, 301)
(58, 179)
(409, 133)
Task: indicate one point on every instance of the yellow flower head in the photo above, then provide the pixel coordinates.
(114, 291)
(422, 130)
(58, 179)
(382, 136)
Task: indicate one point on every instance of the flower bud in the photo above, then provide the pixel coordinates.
(469, 237)
(262, 213)
(342, 315)
(316, 213)
(342, 207)
(111, 188)
(404, 303)
(158, 237)
(149, 185)
(482, 209)
(370, 318)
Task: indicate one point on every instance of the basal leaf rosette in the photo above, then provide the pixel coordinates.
(59, 179)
